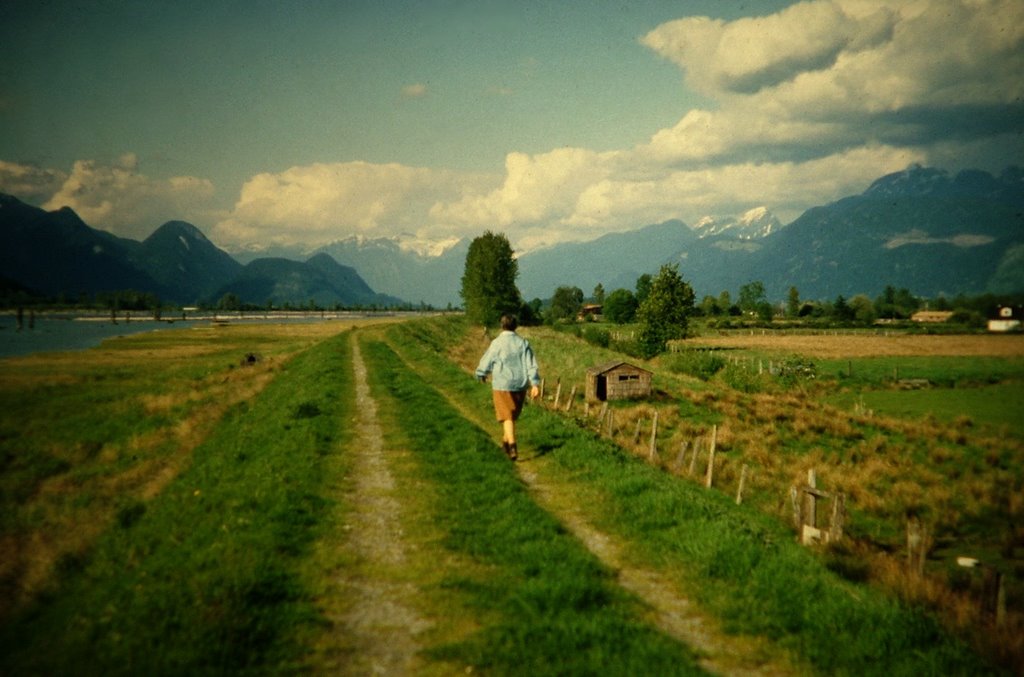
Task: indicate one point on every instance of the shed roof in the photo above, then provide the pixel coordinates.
(608, 366)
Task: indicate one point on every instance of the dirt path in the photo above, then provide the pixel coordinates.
(671, 611)
(380, 622)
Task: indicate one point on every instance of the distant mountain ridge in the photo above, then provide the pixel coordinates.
(922, 229)
(56, 253)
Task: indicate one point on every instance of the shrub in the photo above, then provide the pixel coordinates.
(700, 363)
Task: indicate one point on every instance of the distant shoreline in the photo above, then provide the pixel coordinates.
(59, 331)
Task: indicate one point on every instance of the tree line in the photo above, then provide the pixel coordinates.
(662, 304)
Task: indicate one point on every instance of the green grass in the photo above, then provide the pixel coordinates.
(549, 606)
(940, 370)
(998, 405)
(204, 579)
(741, 564)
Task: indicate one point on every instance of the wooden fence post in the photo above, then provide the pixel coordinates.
(709, 477)
(798, 513)
(693, 459)
(835, 527)
(572, 397)
(681, 458)
(743, 481)
(611, 424)
(810, 511)
(652, 453)
(558, 394)
(917, 545)
(636, 431)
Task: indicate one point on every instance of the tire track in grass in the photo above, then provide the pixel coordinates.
(380, 620)
(672, 612)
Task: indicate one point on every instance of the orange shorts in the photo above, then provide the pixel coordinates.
(508, 404)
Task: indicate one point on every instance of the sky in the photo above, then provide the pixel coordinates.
(305, 122)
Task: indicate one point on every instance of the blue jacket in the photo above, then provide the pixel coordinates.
(510, 359)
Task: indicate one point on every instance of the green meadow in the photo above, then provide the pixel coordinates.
(171, 509)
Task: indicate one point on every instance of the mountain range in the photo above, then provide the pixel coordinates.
(57, 254)
(921, 229)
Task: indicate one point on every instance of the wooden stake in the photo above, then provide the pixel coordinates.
(636, 431)
(572, 397)
(810, 510)
(681, 458)
(798, 513)
(710, 476)
(743, 481)
(652, 453)
(693, 459)
(558, 394)
(611, 422)
(835, 528)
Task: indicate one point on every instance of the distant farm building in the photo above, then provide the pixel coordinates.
(617, 381)
(1007, 318)
(932, 316)
(590, 311)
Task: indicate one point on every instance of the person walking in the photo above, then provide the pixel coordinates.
(513, 366)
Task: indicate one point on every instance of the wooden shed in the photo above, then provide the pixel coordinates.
(617, 381)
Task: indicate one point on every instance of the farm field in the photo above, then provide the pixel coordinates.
(341, 505)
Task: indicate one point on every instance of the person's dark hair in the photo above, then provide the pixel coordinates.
(508, 322)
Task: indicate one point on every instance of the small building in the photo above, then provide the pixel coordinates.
(590, 311)
(617, 381)
(932, 316)
(1007, 318)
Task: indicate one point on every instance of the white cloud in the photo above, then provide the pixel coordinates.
(119, 199)
(29, 183)
(822, 76)
(805, 106)
(320, 203)
(537, 189)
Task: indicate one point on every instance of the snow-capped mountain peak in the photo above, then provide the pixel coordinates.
(754, 223)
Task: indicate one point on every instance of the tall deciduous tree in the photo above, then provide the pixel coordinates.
(620, 306)
(752, 295)
(489, 280)
(663, 314)
(793, 303)
(566, 303)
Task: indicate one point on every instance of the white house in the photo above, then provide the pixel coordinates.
(1008, 319)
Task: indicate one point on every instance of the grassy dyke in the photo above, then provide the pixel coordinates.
(743, 565)
(86, 434)
(206, 578)
(544, 605)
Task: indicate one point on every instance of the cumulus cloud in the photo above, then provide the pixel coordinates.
(806, 105)
(29, 183)
(822, 76)
(125, 202)
(319, 203)
(811, 104)
(536, 188)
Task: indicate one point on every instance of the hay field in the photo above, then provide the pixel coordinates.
(838, 346)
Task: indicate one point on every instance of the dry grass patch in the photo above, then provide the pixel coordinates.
(855, 346)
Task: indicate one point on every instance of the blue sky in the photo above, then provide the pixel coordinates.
(306, 122)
